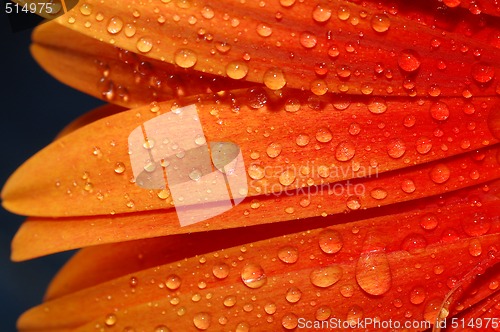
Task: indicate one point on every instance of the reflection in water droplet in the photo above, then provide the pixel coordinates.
(408, 186)
(345, 151)
(144, 44)
(380, 22)
(324, 135)
(482, 73)
(273, 150)
(323, 313)
(293, 295)
(221, 270)
(330, 241)
(439, 111)
(475, 248)
(409, 61)
(274, 79)
(287, 177)
(289, 321)
(377, 106)
(256, 172)
(423, 145)
(185, 58)
(429, 221)
(396, 148)
(173, 282)
(253, 275)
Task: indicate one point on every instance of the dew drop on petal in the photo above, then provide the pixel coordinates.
(482, 73)
(345, 151)
(429, 221)
(202, 320)
(326, 276)
(408, 186)
(330, 241)
(270, 308)
(293, 295)
(236, 70)
(324, 135)
(431, 311)
(423, 145)
(256, 172)
(439, 111)
(323, 313)
(378, 193)
(440, 173)
(380, 22)
(373, 273)
(110, 320)
(144, 44)
(288, 254)
(302, 140)
(173, 282)
(229, 301)
(185, 58)
(287, 177)
(377, 106)
(476, 224)
(119, 168)
(289, 321)
(396, 148)
(273, 150)
(221, 270)
(308, 39)
(274, 79)
(354, 315)
(417, 295)
(409, 61)
(321, 13)
(475, 248)
(253, 276)
(353, 203)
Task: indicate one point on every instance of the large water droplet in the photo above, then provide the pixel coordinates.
(482, 73)
(408, 186)
(380, 22)
(324, 135)
(173, 282)
(256, 172)
(185, 58)
(221, 270)
(326, 276)
(417, 295)
(373, 273)
(440, 173)
(321, 13)
(274, 79)
(273, 150)
(330, 241)
(253, 275)
(409, 60)
(423, 145)
(287, 177)
(345, 151)
(288, 254)
(236, 70)
(144, 44)
(377, 106)
(202, 320)
(439, 111)
(289, 321)
(396, 148)
(293, 295)
(115, 25)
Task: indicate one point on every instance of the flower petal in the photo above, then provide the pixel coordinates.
(284, 143)
(386, 267)
(394, 48)
(112, 74)
(41, 236)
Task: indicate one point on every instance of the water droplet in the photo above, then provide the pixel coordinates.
(129, 30)
(253, 275)
(292, 105)
(173, 282)
(354, 315)
(256, 172)
(287, 177)
(185, 58)
(408, 186)
(330, 241)
(439, 111)
(289, 321)
(396, 148)
(429, 221)
(373, 273)
(482, 72)
(413, 243)
(380, 22)
(377, 106)
(324, 135)
(229, 301)
(326, 276)
(302, 140)
(160, 328)
(440, 173)
(476, 224)
(86, 9)
(273, 150)
(308, 39)
(347, 290)
(431, 311)
(119, 168)
(319, 87)
(417, 295)
(264, 30)
(353, 203)
(221, 270)
(144, 44)
(475, 248)
(242, 327)
(110, 320)
(202, 320)
(270, 308)
(293, 295)
(323, 313)
(115, 25)
(343, 13)
(288, 254)
(195, 174)
(345, 151)
(409, 60)
(423, 145)
(378, 193)
(236, 70)
(321, 13)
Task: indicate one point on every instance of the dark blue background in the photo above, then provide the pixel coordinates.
(34, 107)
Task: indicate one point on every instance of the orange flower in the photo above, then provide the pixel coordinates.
(369, 134)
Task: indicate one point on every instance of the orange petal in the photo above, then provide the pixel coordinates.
(41, 236)
(112, 74)
(386, 267)
(396, 48)
(284, 143)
